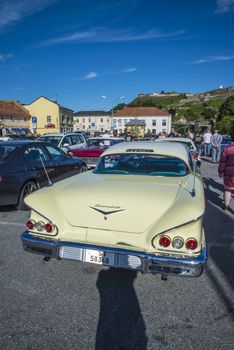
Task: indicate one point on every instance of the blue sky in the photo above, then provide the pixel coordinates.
(77, 51)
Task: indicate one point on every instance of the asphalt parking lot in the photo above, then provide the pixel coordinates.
(70, 305)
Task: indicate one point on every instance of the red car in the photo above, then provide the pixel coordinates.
(96, 146)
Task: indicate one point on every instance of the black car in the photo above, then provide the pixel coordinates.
(26, 166)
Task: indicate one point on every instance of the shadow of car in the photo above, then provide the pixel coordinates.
(26, 166)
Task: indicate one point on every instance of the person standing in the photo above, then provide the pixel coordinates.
(172, 133)
(226, 171)
(198, 140)
(207, 144)
(216, 140)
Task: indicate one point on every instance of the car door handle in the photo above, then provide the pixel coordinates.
(50, 170)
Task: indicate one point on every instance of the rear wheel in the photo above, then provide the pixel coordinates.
(28, 188)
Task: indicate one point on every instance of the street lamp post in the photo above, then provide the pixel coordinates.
(112, 108)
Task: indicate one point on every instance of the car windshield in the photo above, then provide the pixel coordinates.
(5, 151)
(51, 139)
(142, 164)
(102, 142)
(227, 140)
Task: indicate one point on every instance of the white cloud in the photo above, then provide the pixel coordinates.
(214, 59)
(18, 88)
(223, 6)
(90, 75)
(12, 11)
(129, 70)
(105, 35)
(5, 56)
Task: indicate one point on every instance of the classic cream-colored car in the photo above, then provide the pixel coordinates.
(141, 209)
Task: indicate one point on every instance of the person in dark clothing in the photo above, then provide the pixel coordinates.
(226, 171)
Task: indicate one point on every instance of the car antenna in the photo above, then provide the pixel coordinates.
(47, 175)
(193, 189)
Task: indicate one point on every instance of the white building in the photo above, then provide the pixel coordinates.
(156, 120)
(92, 121)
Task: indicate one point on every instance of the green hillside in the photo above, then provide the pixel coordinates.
(198, 107)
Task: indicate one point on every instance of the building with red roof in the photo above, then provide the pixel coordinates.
(155, 119)
(13, 116)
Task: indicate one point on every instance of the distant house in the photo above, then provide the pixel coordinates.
(92, 120)
(49, 116)
(135, 127)
(155, 120)
(14, 117)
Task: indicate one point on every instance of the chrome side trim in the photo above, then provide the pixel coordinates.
(150, 263)
(184, 224)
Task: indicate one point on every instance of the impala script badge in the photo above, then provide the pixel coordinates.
(106, 212)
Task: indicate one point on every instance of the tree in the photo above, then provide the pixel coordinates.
(226, 125)
(227, 108)
(191, 115)
(172, 111)
(119, 107)
(208, 113)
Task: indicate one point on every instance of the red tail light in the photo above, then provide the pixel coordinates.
(191, 244)
(165, 241)
(30, 224)
(49, 228)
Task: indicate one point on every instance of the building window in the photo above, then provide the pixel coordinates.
(89, 120)
(164, 122)
(83, 120)
(77, 120)
(49, 119)
(101, 120)
(153, 122)
(154, 131)
(107, 120)
(83, 126)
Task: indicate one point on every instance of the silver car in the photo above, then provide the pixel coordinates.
(67, 141)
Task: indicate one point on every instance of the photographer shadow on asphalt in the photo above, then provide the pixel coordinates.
(120, 325)
(220, 239)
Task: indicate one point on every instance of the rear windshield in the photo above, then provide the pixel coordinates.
(141, 164)
(102, 142)
(51, 139)
(227, 140)
(5, 151)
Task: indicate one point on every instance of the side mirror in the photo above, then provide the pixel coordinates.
(66, 145)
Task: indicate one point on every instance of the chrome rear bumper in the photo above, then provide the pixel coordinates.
(129, 259)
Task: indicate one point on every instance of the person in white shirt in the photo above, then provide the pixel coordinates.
(207, 143)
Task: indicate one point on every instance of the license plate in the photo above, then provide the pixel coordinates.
(99, 257)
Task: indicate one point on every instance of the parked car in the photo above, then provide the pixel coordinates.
(225, 142)
(95, 147)
(9, 137)
(22, 169)
(68, 141)
(140, 209)
(194, 156)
